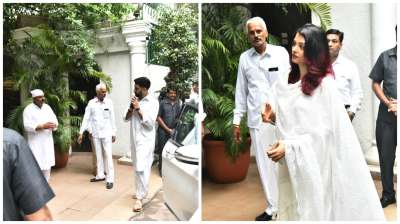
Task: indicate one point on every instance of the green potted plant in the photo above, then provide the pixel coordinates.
(226, 161)
(68, 126)
(223, 42)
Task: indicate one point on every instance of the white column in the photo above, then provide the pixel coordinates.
(135, 33)
(383, 22)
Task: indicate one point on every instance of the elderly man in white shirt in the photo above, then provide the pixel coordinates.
(142, 112)
(259, 67)
(346, 74)
(39, 124)
(99, 119)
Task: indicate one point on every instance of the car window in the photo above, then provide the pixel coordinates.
(184, 130)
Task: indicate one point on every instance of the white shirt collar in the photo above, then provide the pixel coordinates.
(338, 60)
(266, 52)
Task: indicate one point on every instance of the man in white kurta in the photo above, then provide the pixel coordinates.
(142, 112)
(346, 74)
(99, 119)
(259, 67)
(39, 124)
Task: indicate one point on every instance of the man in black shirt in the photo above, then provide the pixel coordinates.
(385, 72)
(25, 190)
(168, 113)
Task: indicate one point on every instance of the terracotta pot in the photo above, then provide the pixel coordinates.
(220, 167)
(61, 158)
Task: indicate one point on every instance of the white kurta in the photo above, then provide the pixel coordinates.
(40, 142)
(144, 132)
(323, 175)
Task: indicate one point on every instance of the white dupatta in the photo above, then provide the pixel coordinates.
(323, 175)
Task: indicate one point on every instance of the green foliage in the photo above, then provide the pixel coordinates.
(223, 40)
(174, 44)
(322, 10)
(62, 48)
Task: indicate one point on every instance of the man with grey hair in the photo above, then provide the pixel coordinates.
(99, 118)
(39, 124)
(259, 67)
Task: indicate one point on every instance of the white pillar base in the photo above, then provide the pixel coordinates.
(125, 160)
(372, 158)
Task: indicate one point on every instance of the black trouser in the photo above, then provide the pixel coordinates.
(162, 140)
(386, 141)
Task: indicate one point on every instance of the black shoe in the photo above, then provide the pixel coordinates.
(109, 185)
(387, 201)
(264, 217)
(96, 180)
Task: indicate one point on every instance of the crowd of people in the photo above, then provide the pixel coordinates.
(37, 152)
(308, 156)
(299, 110)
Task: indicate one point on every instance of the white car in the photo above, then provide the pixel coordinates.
(180, 169)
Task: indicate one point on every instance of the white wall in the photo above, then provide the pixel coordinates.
(368, 31)
(117, 66)
(355, 21)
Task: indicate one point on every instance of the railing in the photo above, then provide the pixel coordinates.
(149, 14)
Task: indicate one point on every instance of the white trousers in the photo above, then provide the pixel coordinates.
(105, 144)
(142, 184)
(46, 174)
(261, 139)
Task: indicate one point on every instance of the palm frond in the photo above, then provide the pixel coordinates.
(15, 118)
(323, 11)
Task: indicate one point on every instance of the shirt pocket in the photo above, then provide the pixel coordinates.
(106, 113)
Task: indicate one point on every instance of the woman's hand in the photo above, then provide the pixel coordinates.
(277, 151)
(268, 116)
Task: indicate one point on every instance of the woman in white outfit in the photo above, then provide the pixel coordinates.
(322, 172)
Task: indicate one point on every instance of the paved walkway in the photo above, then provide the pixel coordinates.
(78, 199)
(243, 201)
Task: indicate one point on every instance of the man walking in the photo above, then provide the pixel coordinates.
(167, 116)
(259, 67)
(346, 74)
(385, 71)
(39, 124)
(143, 114)
(99, 118)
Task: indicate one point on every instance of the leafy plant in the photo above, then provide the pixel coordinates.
(223, 42)
(61, 48)
(173, 43)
